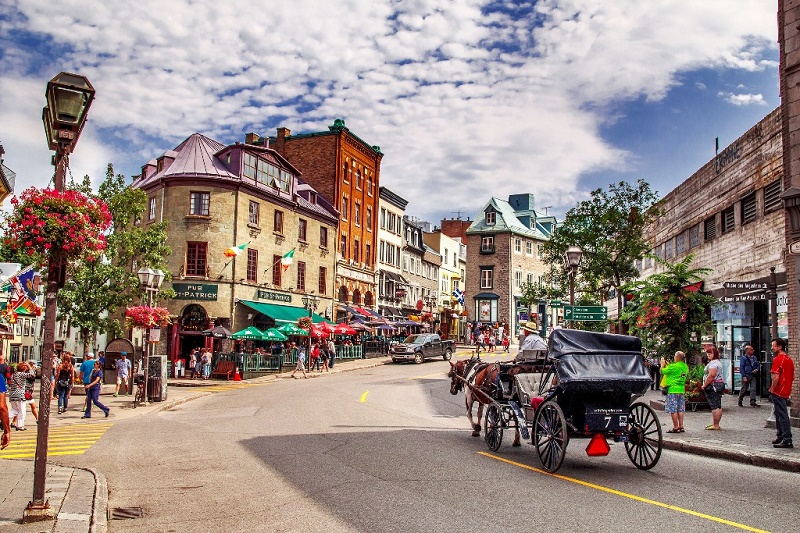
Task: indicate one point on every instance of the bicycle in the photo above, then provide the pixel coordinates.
(139, 396)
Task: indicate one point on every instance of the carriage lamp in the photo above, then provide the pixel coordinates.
(791, 202)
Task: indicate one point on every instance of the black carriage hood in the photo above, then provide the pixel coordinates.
(587, 361)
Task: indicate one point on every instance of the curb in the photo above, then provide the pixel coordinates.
(99, 520)
(166, 406)
(733, 455)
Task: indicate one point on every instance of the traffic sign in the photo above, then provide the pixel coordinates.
(589, 313)
(556, 303)
(744, 285)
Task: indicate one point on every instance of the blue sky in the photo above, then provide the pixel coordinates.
(466, 98)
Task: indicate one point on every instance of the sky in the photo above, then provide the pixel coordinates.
(467, 99)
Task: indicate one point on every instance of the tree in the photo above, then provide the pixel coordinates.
(669, 313)
(610, 229)
(96, 291)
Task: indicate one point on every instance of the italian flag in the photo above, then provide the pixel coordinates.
(236, 250)
(286, 259)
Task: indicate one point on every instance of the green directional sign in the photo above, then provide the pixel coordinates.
(588, 313)
(556, 303)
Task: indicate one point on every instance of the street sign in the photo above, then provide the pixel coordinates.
(588, 313)
(745, 297)
(744, 285)
(556, 303)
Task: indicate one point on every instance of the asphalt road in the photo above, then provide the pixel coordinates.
(389, 449)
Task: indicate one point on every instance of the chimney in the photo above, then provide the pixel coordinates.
(280, 142)
(251, 138)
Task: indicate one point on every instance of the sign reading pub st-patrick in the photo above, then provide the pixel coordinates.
(195, 291)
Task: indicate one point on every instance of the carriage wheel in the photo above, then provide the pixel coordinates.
(494, 427)
(550, 435)
(644, 436)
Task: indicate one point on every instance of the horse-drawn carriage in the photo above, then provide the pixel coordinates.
(583, 389)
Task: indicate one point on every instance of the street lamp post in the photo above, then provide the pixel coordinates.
(69, 97)
(150, 280)
(572, 258)
(310, 302)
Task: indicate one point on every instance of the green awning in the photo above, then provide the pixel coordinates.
(282, 314)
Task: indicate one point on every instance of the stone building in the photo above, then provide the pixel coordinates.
(392, 286)
(729, 216)
(344, 168)
(218, 197)
(503, 251)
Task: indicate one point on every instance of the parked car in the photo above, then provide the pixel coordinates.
(417, 348)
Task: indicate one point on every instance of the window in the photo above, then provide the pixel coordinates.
(518, 245)
(487, 245)
(367, 254)
(669, 249)
(343, 245)
(528, 248)
(772, 196)
(359, 181)
(323, 237)
(728, 220)
(369, 218)
(518, 279)
(680, 243)
(322, 286)
(490, 218)
(343, 210)
(276, 270)
(748, 208)
(710, 229)
(444, 256)
(383, 218)
(301, 275)
(266, 173)
(249, 166)
(196, 258)
(26, 328)
(198, 203)
(369, 184)
(540, 251)
(302, 229)
(277, 222)
(357, 213)
(381, 251)
(253, 213)
(356, 251)
(694, 236)
(252, 265)
(487, 278)
(151, 212)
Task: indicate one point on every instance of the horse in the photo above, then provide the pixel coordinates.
(481, 381)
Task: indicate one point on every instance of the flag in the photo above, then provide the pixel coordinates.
(236, 250)
(29, 306)
(459, 296)
(287, 259)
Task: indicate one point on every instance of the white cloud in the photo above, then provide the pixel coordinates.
(742, 99)
(464, 103)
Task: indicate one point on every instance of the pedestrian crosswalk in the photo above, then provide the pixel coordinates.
(66, 440)
(235, 385)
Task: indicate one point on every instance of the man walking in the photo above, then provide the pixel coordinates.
(779, 391)
(123, 373)
(85, 370)
(748, 368)
(5, 423)
(675, 404)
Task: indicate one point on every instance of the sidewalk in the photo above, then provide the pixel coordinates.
(79, 496)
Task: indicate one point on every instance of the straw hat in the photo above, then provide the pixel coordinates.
(529, 326)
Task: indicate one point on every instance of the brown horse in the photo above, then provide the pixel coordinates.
(481, 382)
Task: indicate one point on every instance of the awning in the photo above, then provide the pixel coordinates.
(391, 276)
(486, 296)
(349, 309)
(362, 312)
(373, 313)
(282, 313)
(391, 311)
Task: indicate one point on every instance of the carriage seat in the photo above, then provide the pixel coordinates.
(527, 386)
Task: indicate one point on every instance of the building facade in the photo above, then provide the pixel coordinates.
(343, 167)
(218, 198)
(420, 268)
(393, 288)
(503, 251)
(451, 277)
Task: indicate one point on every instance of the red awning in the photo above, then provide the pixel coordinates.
(362, 311)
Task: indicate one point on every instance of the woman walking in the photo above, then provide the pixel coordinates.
(16, 394)
(93, 392)
(713, 385)
(65, 377)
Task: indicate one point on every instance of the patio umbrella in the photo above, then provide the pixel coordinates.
(272, 334)
(218, 332)
(327, 327)
(292, 329)
(386, 326)
(343, 329)
(250, 333)
(360, 326)
(318, 333)
(407, 323)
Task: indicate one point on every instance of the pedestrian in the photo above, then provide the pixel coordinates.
(179, 372)
(206, 360)
(191, 363)
(101, 356)
(123, 367)
(492, 341)
(5, 422)
(301, 361)
(323, 355)
(654, 366)
(65, 376)
(505, 343)
(713, 385)
(676, 374)
(29, 385)
(198, 365)
(85, 371)
(93, 392)
(17, 394)
(748, 368)
(314, 358)
(331, 353)
(780, 389)
(5, 372)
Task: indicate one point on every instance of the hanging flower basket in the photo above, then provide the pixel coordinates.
(144, 317)
(68, 222)
(304, 322)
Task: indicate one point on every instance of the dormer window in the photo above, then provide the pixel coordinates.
(491, 217)
(312, 197)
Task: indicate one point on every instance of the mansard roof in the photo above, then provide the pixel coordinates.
(506, 221)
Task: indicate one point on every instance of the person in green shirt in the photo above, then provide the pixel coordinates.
(675, 374)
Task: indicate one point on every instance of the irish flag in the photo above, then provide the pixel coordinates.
(286, 259)
(236, 250)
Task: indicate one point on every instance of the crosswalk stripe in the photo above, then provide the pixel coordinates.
(67, 440)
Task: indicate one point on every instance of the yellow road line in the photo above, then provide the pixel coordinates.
(627, 495)
(364, 397)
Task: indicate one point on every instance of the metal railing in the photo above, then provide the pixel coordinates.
(252, 362)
